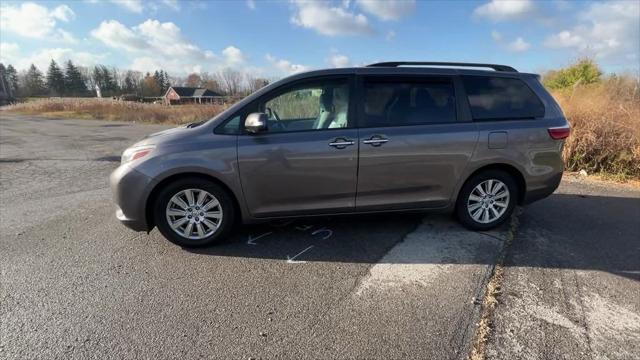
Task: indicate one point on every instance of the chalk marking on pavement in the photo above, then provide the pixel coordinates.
(323, 230)
(252, 240)
(304, 227)
(291, 260)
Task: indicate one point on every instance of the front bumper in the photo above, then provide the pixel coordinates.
(130, 190)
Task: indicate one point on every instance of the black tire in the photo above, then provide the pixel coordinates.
(462, 212)
(225, 202)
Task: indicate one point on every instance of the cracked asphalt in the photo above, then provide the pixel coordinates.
(76, 284)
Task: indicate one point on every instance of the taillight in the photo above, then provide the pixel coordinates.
(559, 133)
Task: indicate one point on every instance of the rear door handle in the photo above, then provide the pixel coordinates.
(375, 140)
(341, 143)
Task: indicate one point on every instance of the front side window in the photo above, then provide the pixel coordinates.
(230, 127)
(312, 106)
(496, 98)
(398, 103)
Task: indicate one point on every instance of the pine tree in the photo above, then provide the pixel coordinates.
(166, 84)
(12, 79)
(129, 84)
(4, 84)
(34, 83)
(55, 79)
(74, 81)
(105, 80)
(158, 77)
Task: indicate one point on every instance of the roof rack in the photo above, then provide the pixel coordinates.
(495, 67)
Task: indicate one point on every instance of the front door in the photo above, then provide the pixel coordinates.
(306, 162)
(413, 149)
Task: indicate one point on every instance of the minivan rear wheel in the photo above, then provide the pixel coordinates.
(486, 200)
(194, 212)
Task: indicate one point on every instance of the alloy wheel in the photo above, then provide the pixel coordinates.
(488, 201)
(194, 214)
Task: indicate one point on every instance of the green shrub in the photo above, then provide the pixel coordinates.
(583, 72)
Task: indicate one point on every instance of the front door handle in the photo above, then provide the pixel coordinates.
(375, 140)
(341, 143)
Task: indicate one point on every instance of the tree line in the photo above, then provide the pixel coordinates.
(77, 81)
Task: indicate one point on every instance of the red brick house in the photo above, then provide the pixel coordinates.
(189, 95)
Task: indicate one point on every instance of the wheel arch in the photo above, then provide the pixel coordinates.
(153, 195)
(508, 168)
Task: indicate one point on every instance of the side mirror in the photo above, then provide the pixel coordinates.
(256, 122)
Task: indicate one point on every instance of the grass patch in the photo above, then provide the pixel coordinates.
(605, 122)
(107, 109)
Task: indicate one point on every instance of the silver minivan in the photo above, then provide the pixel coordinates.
(474, 139)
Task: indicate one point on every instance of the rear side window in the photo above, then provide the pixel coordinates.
(411, 102)
(496, 98)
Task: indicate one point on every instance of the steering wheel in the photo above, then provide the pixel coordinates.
(274, 115)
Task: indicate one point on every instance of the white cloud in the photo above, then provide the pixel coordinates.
(388, 9)
(564, 39)
(286, 66)
(115, 35)
(134, 6)
(390, 35)
(606, 30)
(36, 21)
(251, 4)
(338, 60)
(173, 4)
(11, 54)
(329, 20)
(518, 45)
(233, 56)
(498, 10)
(63, 13)
(157, 45)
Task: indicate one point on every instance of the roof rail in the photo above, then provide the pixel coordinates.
(495, 67)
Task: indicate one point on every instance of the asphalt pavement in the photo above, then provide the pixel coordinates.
(74, 283)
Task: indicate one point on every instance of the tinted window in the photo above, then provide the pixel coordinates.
(231, 127)
(397, 103)
(312, 106)
(493, 98)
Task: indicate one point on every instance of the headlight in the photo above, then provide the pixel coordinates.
(136, 153)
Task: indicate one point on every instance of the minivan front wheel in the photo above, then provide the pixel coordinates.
(486, 200)
(194, 212)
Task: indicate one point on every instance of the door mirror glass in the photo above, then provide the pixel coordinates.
(256, 122)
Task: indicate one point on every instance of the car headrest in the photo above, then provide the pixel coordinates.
(326, 100)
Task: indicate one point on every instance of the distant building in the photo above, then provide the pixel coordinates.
(190, 95)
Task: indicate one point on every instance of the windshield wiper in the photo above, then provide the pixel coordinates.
(195, 124)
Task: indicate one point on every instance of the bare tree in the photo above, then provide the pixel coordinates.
(193, 80)
(230, 80)
(255, 83)
(211, 82)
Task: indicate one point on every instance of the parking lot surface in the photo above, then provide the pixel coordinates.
(76, 284)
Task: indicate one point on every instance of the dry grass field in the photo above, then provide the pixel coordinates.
(107, 109)
(605, 122)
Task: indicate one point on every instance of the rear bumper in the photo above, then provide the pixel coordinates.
(130, 190)
(542, 189)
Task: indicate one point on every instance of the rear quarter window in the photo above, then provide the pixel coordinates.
(498, 98)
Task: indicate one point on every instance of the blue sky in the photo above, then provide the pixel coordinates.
(275, 38)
